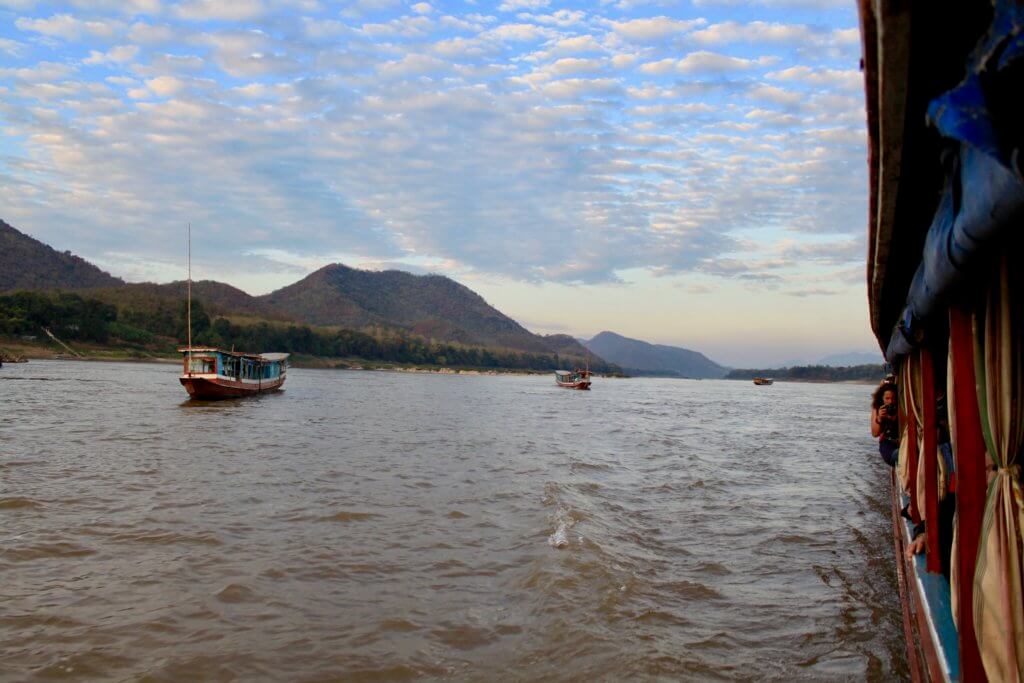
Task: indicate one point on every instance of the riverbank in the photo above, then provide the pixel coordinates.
(96, 353)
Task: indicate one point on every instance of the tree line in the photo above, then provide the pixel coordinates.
(814, 373)
(162, 326)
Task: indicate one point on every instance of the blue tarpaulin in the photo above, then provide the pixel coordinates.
(983, 198)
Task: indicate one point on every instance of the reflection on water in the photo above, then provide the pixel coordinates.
(376, 526)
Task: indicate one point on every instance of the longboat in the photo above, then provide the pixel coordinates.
(764, 381)
(210, 373)
(573, 379)
(946, 303)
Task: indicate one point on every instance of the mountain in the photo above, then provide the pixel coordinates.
(640, 357)
(27, 263)
(851, 358)
(431, 306)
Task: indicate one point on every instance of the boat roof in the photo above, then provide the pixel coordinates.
(916, 56)
(272, 357)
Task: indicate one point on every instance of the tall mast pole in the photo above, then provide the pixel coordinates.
(190, 293)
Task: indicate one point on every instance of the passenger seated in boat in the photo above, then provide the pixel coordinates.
(885, 422)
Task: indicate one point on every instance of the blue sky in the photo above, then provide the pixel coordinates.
(688, 172)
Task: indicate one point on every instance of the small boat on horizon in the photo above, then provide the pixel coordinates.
(210, 373)
(763, 381)
(573, 379)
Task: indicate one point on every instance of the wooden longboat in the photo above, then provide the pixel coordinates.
(763, 381)
(210, 373)
(573, 379)
(946, 304)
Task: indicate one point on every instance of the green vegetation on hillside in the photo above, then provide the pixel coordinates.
(159, 326)
(814, 373)
(27, 263)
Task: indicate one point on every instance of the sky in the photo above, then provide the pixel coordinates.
(687, 172)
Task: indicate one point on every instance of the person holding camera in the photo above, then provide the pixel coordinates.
(885, 422)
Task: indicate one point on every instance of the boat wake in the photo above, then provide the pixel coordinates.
(563, 521)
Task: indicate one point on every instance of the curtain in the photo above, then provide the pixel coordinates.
(998, 608)
(915, 402)
(910, 385)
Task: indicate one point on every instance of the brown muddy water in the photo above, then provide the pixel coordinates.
(365, 526)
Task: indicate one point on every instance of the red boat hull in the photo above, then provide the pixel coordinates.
(213, 389)
(575, 385)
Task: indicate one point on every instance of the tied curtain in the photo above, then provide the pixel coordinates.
(999, 363)
(912, 397)
(910, 402)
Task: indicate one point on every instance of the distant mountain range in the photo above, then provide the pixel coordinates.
(642, 358)
(430, 306)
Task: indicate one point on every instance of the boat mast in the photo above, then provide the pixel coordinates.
(190, 294)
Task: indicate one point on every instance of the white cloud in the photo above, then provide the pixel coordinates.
(730, 32)
(126, 7)
(149, 34)
(70, 28)
(165, 86)
(116, 55)
(563, 18)
(657, 28)
(11, 47)
(216, 10)
(422, 8)
(412, 65)
(518, 33)
(846, 79)
(703, 62)
(516, 5)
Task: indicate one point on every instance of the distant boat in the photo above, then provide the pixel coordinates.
(763, 381)
(574, 379)
(211, 373)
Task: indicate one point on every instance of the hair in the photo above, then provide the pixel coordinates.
(878, 396)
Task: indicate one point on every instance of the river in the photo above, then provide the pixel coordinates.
(374, 526)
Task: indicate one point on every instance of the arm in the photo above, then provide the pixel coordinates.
(876, 424)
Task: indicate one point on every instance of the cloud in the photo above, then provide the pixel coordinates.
(517, 5)
(69, 28)
(755, 32)
(703, 62)
(165, 86)
(844, 79)
(657, 28)
(216, 10)
(116, 55)
(11, 47)
(518, 33)
(535, 142)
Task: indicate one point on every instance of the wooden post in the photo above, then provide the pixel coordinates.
(971, 485)
(929, 452)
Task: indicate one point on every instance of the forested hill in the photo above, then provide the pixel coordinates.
(640, 357)
(27, 263)
(431, 306)
(815, 373)
(391, 304)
